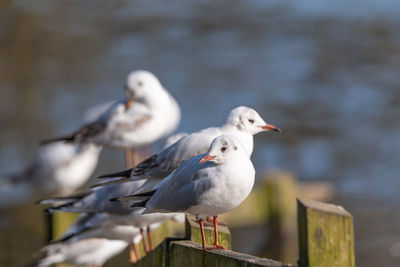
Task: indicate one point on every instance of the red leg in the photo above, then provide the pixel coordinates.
(210, 222)
(135, 157)
(133, 258)
(201, 222)
(144, 240)
(149, 237)
(216, 245)
(136, 250)
(128, 158)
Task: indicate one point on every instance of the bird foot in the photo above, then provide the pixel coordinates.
(215, 247)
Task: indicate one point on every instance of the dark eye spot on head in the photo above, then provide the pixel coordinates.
(235, 147)
(140, 83)
(251, 120)
(223, 149)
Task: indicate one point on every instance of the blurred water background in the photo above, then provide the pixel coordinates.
(326, 72)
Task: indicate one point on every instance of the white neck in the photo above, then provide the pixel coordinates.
(245, 138)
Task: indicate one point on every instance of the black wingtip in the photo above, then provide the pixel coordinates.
(140, 204)
(67, 138)
(125, 173)
(114, 199)
(146, 194)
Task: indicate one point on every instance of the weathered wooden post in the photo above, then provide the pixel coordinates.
(325, 235)
(280, 190)
(169, 228)
(60, 222)
(162, 253)
(174, 252)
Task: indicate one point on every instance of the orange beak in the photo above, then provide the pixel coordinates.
(206, 158)
(270, 127)
(128, 104)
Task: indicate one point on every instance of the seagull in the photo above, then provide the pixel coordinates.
(174, 138)
(91, 240)
(243, 122)
(88, 251)
(148, 113)
(205, 185)
(57, 169)
(97, 200)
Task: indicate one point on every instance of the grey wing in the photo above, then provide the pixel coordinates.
(162, 164)
(84, 222)
(187, 147)
(182, 188)
(99, 200)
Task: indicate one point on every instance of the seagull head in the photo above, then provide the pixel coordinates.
(222, 149)
(140, 84)
(247, 119)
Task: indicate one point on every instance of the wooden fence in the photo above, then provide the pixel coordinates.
(324, 231)
(325, 239)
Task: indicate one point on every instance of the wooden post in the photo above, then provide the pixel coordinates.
(60, 222)
(169, 228)
(280, 190)
(186, 253)
(171, 253)
(325, 235)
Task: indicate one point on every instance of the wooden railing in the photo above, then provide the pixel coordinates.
(325, 234)
(324, 231)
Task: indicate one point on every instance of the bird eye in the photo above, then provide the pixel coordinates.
(251, 120)
(223, 149)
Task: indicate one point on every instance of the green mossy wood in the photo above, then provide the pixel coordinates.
(325, 235)
(185, 253)
(60, 222)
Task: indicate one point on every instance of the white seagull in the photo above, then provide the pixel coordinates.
(97, 200)
(243, 122)
(148, 113)
(87, 251)
(204, 185)
(91, 240)
(58, 169)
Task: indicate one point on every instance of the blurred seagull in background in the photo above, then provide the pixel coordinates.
(148, 113)
(91, 240)
(89, 251)
(58, 169)
(97, 200)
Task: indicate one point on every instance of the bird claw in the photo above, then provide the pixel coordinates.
(215, 247)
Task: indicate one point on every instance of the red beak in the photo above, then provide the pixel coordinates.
(270, 127)
(206, 158)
